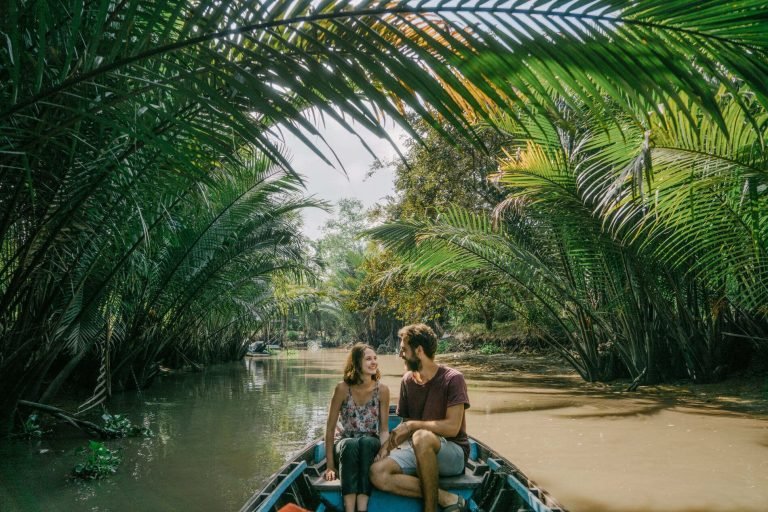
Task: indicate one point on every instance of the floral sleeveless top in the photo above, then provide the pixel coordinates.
(359, 420)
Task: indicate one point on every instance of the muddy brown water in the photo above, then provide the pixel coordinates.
(220, 433)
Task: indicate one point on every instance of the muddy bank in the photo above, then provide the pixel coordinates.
(741, 394)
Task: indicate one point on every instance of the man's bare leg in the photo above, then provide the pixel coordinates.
(425, 446)
(386, 475)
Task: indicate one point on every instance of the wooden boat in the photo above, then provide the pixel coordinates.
(490, 483)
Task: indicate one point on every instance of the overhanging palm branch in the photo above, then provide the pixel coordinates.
(691, 196)
(266, 57)
(567, 178)
(191, 259)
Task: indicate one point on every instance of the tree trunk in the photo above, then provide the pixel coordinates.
(488, 317)
(86, 426)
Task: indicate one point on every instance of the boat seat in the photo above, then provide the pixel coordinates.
(468, 480)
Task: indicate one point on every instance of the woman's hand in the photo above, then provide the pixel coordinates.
(330, 474)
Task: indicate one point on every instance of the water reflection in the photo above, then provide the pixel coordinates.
(256, 372)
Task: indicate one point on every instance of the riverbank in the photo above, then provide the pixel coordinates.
(747, 393)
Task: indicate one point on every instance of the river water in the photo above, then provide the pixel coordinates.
(220, 433)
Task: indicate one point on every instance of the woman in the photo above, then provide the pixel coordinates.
(358, 424)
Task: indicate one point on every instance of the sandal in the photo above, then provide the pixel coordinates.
(459, 506)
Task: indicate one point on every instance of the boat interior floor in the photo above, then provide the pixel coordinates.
(464, 485)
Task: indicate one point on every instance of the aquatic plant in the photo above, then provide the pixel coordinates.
(119, 425)
(31, 428)
(100, 462)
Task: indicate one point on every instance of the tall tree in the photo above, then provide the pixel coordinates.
(438, 171)
(340, 240)
(435, 173)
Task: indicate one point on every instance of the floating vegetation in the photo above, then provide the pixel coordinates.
(31, 428)
(100, 462)
(119, 425)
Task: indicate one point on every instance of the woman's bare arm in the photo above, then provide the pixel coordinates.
(330, 429)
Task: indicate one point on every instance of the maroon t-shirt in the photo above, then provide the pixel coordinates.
(430, 401)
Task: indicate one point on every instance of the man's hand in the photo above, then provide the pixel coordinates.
(383, 452)
(398, 436)
(330, 474)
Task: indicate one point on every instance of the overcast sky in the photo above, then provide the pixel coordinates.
(332, 184)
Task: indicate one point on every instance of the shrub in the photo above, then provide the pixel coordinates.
(490, 349)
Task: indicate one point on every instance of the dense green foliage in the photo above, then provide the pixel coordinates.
(434, 174)
(145, 205)
(611, 232)
(340, 262)
(147, 213)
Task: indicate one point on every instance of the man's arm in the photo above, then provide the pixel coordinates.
(448, 427)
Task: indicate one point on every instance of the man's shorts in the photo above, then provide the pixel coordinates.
(450, 458)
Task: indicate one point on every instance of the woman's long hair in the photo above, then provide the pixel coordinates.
(353, 368)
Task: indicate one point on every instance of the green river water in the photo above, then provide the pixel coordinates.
(218, 435)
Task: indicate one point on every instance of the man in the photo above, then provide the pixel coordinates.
(432, 402)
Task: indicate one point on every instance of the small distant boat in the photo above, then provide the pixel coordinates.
(490, 483)
(261, 349)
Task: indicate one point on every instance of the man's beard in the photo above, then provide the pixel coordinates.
(413, 365)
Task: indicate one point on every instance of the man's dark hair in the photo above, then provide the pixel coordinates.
(420, 335)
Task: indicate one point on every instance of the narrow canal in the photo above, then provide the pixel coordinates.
(220, 433)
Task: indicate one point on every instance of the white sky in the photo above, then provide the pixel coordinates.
(332, 184)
